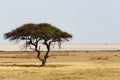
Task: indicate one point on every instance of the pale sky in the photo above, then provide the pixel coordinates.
(88, 21)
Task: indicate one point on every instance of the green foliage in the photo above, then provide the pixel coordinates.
(42, 31)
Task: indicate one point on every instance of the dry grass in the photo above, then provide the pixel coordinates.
(72, 65)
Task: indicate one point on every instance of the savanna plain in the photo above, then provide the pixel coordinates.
(61, 65)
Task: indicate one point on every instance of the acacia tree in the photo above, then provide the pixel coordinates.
(33, 34)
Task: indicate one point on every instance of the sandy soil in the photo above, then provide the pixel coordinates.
(67, 65)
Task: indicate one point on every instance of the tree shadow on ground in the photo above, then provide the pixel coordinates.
(32, 65)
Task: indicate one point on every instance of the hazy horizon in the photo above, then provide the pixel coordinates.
(64, 47)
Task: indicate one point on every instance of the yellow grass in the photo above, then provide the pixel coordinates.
(74, 65)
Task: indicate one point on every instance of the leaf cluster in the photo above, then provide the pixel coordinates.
(42, 31)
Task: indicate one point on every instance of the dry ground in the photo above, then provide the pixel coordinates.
(67, 65)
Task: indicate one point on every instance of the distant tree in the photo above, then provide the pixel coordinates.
(33, 34)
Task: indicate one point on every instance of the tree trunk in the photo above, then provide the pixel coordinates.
(43, 63)
(42, 60)
(45, 59)
(46, 55)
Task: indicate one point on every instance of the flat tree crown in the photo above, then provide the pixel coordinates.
(42, 31)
